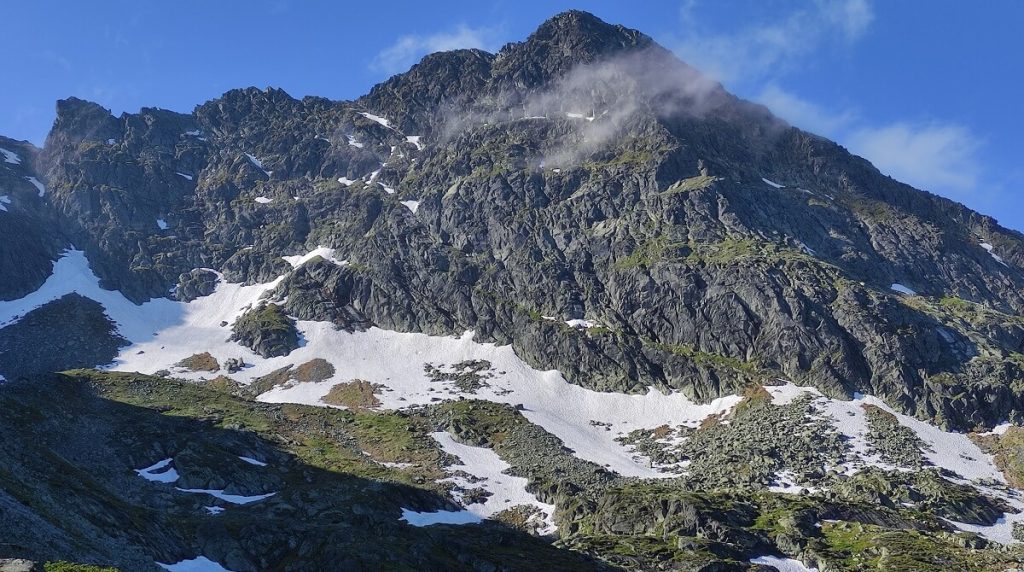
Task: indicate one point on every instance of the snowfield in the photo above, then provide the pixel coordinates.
(162, 332)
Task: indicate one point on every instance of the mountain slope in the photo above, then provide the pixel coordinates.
(581, 196)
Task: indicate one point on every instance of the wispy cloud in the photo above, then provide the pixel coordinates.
(938, 156)
(935, 156)
(408, 49)
(769, 48)
(805, 114)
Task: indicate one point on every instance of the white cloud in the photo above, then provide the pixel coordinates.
(805, 114)
(939, 157)
(770, 48)
(408, 49)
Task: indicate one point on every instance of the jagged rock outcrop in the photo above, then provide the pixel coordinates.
(582, 173)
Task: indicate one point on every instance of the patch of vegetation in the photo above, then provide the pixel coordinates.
(62, 566)
(314, 370)
(1008, 450)
(200, 362)
(338, 440)
(692, 184)
(267, 330)
(855, 546)
(708, 359)
(355, 394)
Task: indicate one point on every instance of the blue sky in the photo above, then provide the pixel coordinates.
(928, 90)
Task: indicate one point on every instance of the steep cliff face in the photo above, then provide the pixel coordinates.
(583, 173)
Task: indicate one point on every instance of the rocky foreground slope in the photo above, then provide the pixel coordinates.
(543, 300)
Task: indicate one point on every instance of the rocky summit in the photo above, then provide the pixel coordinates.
(569, 306)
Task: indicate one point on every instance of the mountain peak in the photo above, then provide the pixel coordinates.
(562, 42)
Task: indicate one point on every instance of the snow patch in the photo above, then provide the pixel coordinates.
(377, 119)
(487, 471)
(352, 141)
(411, 205)
(772, 183)
(252, 461)
(440, 517)
(415, 140)
(988, 248)
(159, 472)
(214, 510)
(258, 164)
(39, 186)
(162, 224)
(184, 175)
(263, 200)
(233, 499)
(345, 181)
(897, 287)
(321, 251)
(782, 564)
(10, 157)
(4, 201)
(200, 564)
(998, 429)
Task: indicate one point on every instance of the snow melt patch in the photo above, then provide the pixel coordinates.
(439, 517)
(353, 142)
(200, 564)
(251, 461)
(159, 472)
(954, 452)
(581, 324)
(772, 183)
(10, 157)
(988, 248)
(233, 499)
(782, 564)
(487, 471)
(4, 201)
(998, 429)
(258, 164)
(897, 287)
(411, 205)
(321, 251)
(377, 119)
(39, 186)
(161, 224)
